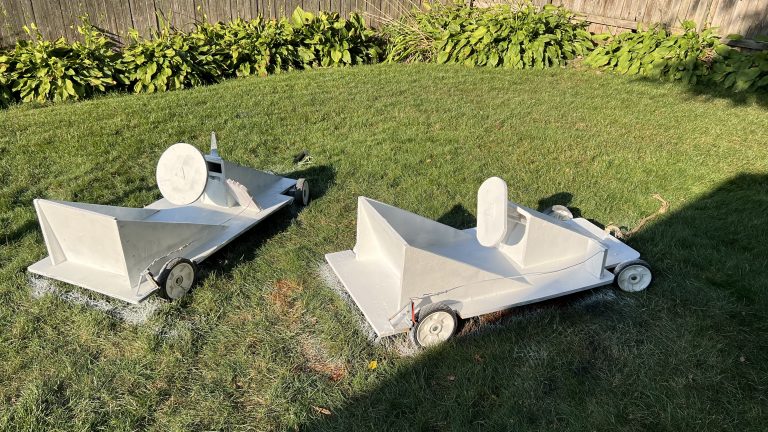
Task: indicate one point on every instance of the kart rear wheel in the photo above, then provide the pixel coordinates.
(435, 324)
(633, 276)
(176, 278)
(301, 192)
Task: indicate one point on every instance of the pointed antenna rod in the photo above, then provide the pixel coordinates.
(214, 145)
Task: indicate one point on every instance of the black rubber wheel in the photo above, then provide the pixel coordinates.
(559, 212)
(435, 324)
(633, 276)
(176, 278)
(301, 192)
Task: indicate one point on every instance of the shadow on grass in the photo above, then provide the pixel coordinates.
(739, 67)
(605, 359)
(560, 198)
(712, 91)
(246, 246)
(19, 233)
(458, 217)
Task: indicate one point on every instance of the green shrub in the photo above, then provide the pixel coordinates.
(657, 54)
(168, 60)
(327, 40)
(413, 37)
(40, 70)
(740, 70)
(6, 95)
(500, 36)
(520, 36)
(171, 59)
(244, 48)
(691, 57)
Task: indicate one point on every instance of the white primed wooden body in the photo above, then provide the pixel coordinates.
(515, 256)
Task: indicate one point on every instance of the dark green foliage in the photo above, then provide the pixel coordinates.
(6, 96)
(171, 59)
(740, 70)
(501, 36)
(691, 57)
(516, 37)
(254, 47)
(40, 70)
(327, 40)
(657, 54)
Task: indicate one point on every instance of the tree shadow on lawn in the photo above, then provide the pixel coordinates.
(677, 356)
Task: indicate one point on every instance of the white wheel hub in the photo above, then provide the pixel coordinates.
(560, 212)
(180, 280)
(634, 278)
(435, 328)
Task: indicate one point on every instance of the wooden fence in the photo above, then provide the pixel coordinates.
(748, 18)
(58, 17)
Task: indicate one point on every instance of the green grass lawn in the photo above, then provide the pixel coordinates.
(263, 343)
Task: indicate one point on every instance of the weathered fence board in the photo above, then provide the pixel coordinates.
(57, 18)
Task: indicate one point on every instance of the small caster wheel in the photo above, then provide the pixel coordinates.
(301, 192)
(559, 212)
(435, 323)
(176, 278)
(633, 276)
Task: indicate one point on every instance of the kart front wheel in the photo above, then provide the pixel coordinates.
(633, 276)
(176, 278)
(435, 324)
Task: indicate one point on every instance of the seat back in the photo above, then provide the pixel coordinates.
(492, 205)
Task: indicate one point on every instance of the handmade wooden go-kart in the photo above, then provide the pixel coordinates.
(409, 273)
(129, 253)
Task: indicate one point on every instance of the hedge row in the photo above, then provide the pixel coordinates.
(501, 36)
(691, 57)
(41, 70)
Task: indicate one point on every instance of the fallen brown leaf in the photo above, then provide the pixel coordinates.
(321, 410)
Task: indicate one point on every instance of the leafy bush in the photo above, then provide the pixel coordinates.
(263, 47)
(245, 48)
(413, 37)
(520, 36)
(171, 59)
(740, 70)
(657, 54)
(327, 40)
(168, 60)
(40, 70)
(6, 95)
(691, 57)
(500, 36)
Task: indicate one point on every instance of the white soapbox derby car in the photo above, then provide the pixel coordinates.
(409, 273)
(128, 253)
